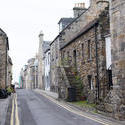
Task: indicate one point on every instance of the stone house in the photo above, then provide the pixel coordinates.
(36, 72)
(23, 75)
(82, 17)
(115, 100)
(64, 22)
(55, 47)
(42, 47)
(54, 50)
(91, 55)
(21, 79)
(4, 48)
(85, 57)
(9, 71)
(30, 74)
(87, 15)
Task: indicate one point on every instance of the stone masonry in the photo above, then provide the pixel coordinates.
(43, 45)
(115, 101)
(9, 71)
(96, 7)
(4, 47)
(80, 53)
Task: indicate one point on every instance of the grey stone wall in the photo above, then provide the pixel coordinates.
(3, 60)
(79, 23)
(115, 101)
(9, 71)
(85, 66)
(55, 62)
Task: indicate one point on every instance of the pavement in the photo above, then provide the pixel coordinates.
(4, 103)
(51, 94)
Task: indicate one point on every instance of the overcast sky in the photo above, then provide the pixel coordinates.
(22, 20)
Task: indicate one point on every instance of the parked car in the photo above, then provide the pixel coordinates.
(3, 94)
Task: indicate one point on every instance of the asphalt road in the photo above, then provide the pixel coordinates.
(35, 109)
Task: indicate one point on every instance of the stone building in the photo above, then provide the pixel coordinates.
(9, 71)
(92, 55)
(30, 74)
(21, 79)
(54, 49)
(4, 47)
(28, 78)
(43, 45)
(36, 73)
(115, 100)
(82, 18)
(23, 75)
(87, 15)
(56, 43)
(64, 22)
(85, 57)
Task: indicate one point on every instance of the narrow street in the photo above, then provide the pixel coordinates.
(34, 109)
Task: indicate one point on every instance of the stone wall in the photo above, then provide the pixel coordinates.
(92, 39)
(9, 71)
(55, 62)
(40, 63)
(115, 101)
(3, 60)
(80, 22)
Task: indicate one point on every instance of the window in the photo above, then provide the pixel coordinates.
(89, 50)
(63, 54)
(91, 86)
(74, 55)
(83, 50)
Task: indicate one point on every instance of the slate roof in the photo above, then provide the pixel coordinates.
(84, 30)
(67, 20)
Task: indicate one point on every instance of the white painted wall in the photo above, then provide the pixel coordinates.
(47, 70)
(108, 52)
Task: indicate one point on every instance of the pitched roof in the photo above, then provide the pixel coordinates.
(84, 30)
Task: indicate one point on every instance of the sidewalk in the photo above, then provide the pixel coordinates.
(51, 94)
(4, 103)
(54, 96)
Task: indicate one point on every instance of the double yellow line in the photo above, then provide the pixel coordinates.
(14, 112)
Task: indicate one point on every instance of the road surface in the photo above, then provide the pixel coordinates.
(31, 108)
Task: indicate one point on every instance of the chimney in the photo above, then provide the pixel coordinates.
(79, 9)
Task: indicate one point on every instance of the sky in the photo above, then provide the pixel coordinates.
(22, 20)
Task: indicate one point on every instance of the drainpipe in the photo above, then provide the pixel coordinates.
(97, 65)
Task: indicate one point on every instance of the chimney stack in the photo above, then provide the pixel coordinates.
(79, 9)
